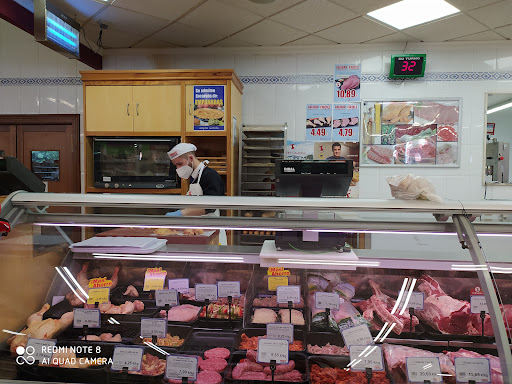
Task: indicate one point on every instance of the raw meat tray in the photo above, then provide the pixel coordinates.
(298, 334)
(334, 361)
(117, 297)
(321, 339)
(300, 365)
(182, 331)
(188, 323)
(250, 324)
(133, 317)
(201, 340)
(95, 374)
(127, 331)
(268, 295)
(171, 239)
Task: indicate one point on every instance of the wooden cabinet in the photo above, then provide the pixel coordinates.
(138, 109)
(161, 103)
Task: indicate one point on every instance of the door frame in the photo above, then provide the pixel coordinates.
(64, 119)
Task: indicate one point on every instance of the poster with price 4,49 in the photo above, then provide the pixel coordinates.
(345, 122)
(318, 122)
(347, 79)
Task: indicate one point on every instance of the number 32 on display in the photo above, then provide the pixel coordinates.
(408, 67)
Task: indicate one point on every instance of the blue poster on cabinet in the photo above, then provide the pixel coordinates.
(209, 108)
(347, 83)
(345, 122)
(318, 122)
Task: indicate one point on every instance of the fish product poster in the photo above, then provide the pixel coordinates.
(318, 122)
(347, 83)
(411, 133)
(209, 108)
(345, 122)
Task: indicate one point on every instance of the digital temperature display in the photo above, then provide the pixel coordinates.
(410, 65)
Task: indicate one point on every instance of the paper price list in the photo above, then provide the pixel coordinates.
(280, 331)
(38, 346)
(206, 292)
(420, 369)
(359, 335)
(228, 288)
(286, 293)
(181, 285)
(273, 349)
(84, 316)
(416, 300)
(177, 367)
(477, 369)
(327, 300)
(153, 327)
(369, 356)
(127, 357)
(166, 296)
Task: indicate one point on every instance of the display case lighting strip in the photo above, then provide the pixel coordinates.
(352, 263)
(122, 256)
(162, 226)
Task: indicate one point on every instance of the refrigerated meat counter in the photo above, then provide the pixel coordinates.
(429, 285)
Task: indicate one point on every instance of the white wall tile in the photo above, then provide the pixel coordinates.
(49, 99)
(244, 64)
(79, 99)
(109, 62)
(285, 64)
(265, 101)
(484, 59)
(224, 61)
(48, 62)
(28, 55)
(371, 62)
(29, 99)
(317, 63)
(504, 60)
(66, 67)
(67, 99)
(11, 99)
(143, 62)
(126, 63)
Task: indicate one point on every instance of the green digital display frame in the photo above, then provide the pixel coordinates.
(408, 65)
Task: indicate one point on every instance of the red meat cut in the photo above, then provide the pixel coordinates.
(208, 377)
(215, 364)
(351, 83)
(381, 155)
(437, 113)
(446, 133)
(221, 353)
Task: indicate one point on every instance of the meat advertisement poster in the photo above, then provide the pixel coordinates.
(424, 133)
(209, 108)
(347, 83)
(345, 122)
(318, 122)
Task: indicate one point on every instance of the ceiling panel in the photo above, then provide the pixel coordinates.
(111, 38)
(311, 40)
(221, 18)
(446, 29)
(164, 9)
(269, 33)
(233, 42)
(355, 31)
(505, 31)
(494, 15)
(466, 5)
(314, 15)
(185, 36)
(262, 9)
(397, 37)
(364, 6)
(124, 20)
(481, 36)
(79, 10)
(154, 43)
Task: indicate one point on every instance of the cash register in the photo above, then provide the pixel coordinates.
(312, 178)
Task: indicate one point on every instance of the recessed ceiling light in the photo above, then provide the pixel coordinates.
(407, 13)
(262, 1)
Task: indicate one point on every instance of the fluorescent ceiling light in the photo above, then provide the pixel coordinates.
(407, 13)
(500, 108)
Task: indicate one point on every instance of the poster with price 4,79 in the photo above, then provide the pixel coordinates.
(345, 122)
(347, 81)
(318, 122)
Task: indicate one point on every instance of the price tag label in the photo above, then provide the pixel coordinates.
(467, 368)
(127, 357)
(181, 285)
(154, 279)
(228, 288)
(86, 316)
(328, 300)
(166, 296)
(98, 295)
(478, 304)
(420, 369)
(57, 299)
(286, 293)
(275, 281)
(359, 335)
(280, 331)
(206, 291)
(39, 350)
(366, 356)
(416, 300)
(272, 349)
(179, 366)
(153, 327)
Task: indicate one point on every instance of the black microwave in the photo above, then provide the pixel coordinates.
(134, 162)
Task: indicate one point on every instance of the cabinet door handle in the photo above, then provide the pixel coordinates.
(128, 109)
(137, 109)
(190, 108)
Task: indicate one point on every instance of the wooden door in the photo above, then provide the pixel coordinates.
(157, 109)
(109, 109)
(7, 140)
(51, 152)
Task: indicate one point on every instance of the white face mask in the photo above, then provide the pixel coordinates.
(185, 171)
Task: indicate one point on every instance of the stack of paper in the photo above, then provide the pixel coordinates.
(137, 245)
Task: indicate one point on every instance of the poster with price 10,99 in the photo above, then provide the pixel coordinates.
(345, 122)
(347, 83)
(318, 122)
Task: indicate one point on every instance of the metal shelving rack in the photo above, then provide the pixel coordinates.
(260, 146)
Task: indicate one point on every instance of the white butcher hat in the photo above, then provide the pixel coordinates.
(181, 149)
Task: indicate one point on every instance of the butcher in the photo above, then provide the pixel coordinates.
(336, 152)
(204, 180)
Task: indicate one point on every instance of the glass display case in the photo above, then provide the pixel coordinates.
(369, 291)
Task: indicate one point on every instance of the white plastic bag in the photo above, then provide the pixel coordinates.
(410, 187)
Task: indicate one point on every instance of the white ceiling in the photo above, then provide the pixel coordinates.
(242, 23)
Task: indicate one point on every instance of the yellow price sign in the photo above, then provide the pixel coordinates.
(154, 279)
(98, 295)
(277, 271)
(274, 281)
